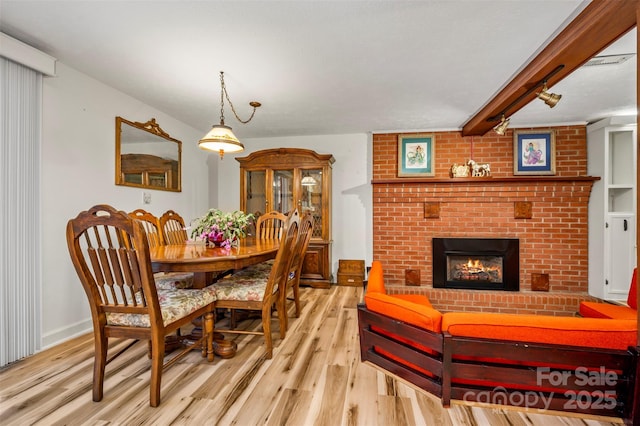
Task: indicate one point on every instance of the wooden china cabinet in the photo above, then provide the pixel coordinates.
(284, 178)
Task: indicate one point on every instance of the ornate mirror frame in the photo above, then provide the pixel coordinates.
(147, 157)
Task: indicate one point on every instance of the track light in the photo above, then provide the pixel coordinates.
(550, 99)
(501, 127)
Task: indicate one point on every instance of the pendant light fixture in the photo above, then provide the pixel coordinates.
(221, 138)
(308, 181)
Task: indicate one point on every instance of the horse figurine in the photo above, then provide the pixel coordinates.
(479, 169)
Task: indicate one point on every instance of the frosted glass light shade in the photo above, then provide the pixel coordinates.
(221, 139)
(308, 181)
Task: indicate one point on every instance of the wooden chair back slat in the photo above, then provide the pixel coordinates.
(105, 255)
(300, 248)
(134, 273)
(151, 226)
(98, 276)
(173, 228)
(126, 275)
(271, 225)
(280, 269)
(292, 281)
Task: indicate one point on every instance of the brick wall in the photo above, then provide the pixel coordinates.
(553, 241)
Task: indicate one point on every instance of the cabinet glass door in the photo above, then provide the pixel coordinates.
(311, 199)
(282, 191)
(256, 197)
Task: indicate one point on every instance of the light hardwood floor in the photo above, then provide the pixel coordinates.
(314, 378)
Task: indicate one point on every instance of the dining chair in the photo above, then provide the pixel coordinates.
(151, 226)
(298, 252)
(110, 252)
(253, 292)
(164, 280)
(173, 228)
(295, 267)
(270, 225)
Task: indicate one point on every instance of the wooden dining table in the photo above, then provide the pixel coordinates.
(207, 262)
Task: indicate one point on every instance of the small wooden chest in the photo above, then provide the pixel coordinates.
(351, 272)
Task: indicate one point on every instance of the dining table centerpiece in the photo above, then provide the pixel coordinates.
(224, 229)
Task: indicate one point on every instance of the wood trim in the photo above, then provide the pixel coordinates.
(600, 24)
(637, 410)
(485, 181)
(285, 157)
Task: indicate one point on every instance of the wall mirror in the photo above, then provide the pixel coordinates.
(147, 157)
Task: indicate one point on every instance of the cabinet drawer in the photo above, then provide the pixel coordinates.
(354, 280)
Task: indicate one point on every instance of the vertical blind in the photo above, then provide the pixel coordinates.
(20, 275)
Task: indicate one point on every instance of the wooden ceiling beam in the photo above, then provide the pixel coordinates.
(600, 24)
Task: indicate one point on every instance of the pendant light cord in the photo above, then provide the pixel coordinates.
(223, 94)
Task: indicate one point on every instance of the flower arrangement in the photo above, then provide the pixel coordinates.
(220, 227)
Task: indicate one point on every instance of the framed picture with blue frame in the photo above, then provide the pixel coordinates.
(534, 152)
(416, 155)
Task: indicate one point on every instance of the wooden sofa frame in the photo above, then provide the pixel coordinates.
(522, 374)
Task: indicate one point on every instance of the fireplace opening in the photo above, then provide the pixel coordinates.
(476, 263)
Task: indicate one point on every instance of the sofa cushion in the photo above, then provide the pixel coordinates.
(632, 298)
(412, 309)
(415, 298)
(375, 281)
(573, 331)
(606, 310)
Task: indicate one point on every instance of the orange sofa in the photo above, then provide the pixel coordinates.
(609, 310)
(585, 365)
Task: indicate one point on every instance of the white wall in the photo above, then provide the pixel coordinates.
(78, 171)
(352, 193)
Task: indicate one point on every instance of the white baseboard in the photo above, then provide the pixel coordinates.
(60, 335)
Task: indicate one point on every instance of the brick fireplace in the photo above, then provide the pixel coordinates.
(476, 263)
(546, 214)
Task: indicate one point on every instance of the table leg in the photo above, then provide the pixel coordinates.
(221, 347)
(202, 279)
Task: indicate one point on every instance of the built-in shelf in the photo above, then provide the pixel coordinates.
(500, 180)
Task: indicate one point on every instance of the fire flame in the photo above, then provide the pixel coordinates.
(474, 264)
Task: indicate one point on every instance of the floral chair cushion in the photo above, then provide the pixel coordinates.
(262, 268)
(173, 280)
(174, 304)
(243, 285)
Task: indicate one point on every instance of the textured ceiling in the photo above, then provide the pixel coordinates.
(322, 67)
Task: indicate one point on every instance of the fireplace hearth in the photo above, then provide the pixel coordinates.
(476, 263)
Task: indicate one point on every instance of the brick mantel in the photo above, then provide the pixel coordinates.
(553, 235)
(485, 181)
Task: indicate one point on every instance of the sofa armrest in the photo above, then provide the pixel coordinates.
(607, 310)
(415, 310)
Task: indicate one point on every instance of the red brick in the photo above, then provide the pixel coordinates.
(553, 241)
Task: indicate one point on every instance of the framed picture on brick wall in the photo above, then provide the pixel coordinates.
(534, 152)
(416, 155)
